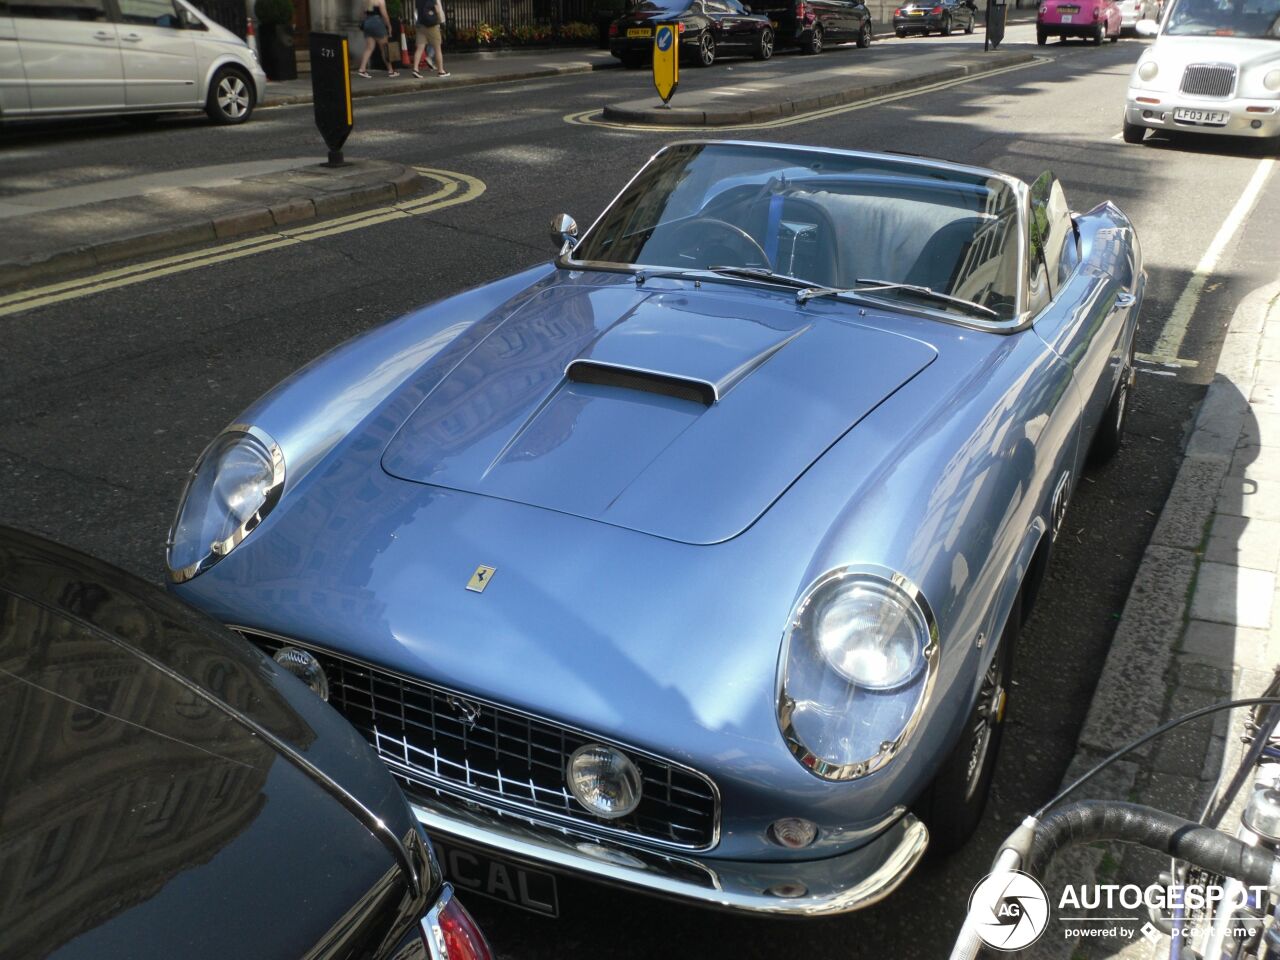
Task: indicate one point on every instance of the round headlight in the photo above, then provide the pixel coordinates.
(604, 780)
(871, 634)
(303, 665)
(235, 483)
(1272, 80)
(1148, 70)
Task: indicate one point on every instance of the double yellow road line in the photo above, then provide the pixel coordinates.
(451, 189)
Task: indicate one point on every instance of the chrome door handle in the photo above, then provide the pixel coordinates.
(132, 37)
(1124, 301)
(103, 35)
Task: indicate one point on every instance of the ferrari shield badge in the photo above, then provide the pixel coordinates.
(480, 579)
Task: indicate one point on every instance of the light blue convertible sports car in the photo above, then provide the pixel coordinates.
(693, 561)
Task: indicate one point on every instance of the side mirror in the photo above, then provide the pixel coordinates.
(1146, 28)
(564, 232)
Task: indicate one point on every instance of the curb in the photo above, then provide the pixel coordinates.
(224, 226)
(678, 117)
(411, 85)
(1158, 667)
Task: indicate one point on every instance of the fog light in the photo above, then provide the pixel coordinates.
(306, 668)
(1146, 114)
(788, 891)
(793, 832)
(604, 780)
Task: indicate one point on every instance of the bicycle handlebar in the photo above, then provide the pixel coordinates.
(1036, 842)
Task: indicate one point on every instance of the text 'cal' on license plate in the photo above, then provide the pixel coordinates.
(476, 871)
(639, 32)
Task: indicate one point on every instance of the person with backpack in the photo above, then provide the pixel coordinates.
(430, 20)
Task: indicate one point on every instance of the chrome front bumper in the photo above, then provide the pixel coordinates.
(1239, 123)
(811, 888)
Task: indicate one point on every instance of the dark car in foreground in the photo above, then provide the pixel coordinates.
(812, 25)
(708, 30)
(168, 791)
(943, 17)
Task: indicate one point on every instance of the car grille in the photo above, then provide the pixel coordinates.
(1208, 80)
(436, 739)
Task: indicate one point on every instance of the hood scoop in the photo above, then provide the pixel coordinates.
(633, 378)
(681, 415)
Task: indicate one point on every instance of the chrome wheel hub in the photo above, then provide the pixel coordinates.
(990, 712)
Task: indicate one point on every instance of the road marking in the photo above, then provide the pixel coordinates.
(591, 117)
(453, 189)
(1169, 345)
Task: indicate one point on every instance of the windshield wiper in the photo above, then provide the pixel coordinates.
(869, 285)
(748, 273)
(760, 273)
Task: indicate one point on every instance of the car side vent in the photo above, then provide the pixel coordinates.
(650, 381)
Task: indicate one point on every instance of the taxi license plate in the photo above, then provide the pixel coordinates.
(1201, 116)
(475, 871)
(1066, 17)
(639, 32)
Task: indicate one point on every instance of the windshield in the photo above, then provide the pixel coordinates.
(826, 219)
(1259, 19)
(658, 6)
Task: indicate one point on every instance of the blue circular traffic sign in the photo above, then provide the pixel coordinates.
(664, 39)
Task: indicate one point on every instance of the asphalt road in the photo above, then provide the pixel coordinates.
(106, 400)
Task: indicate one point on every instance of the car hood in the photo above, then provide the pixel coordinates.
(134, 813)
(680, 414)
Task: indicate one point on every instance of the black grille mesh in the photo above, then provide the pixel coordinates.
(431, 738)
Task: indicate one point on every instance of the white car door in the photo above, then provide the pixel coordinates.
(159, 55)
(13, 82)
(70, 55)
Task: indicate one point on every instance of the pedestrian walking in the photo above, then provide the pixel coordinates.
(376, 27)
(430, 20)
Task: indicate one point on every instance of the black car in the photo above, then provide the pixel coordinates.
(941, 17)
(168, 791)
(708, 29)
(813, 24)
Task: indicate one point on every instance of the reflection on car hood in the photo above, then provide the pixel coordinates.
(134, 813)
(682, 414)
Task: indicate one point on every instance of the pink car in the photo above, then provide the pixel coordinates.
(1087, 19)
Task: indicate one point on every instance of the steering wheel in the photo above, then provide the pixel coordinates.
(706, 233)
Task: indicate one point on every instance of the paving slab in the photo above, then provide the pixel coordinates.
(55, 232)
(854, 79)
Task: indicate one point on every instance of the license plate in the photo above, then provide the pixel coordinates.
(475, 871)
(915, 13)
(639, 32)
(1201, 116)
(1066, 17)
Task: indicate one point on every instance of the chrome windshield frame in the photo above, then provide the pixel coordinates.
(1020, 320)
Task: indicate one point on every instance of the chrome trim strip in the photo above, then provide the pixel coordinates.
(500, 803)
(889, 748)
(1021, 316)
(221, 548)
(813, 888)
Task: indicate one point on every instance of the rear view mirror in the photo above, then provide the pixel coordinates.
(1146, 28)
(564, 232)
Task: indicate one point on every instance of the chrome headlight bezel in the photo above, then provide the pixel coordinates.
(884, 751)
(271, 453)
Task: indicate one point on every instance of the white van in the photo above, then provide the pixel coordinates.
(73, 58)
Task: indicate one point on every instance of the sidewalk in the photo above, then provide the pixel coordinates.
(55, 232)
(466, 69)
(1202, 622)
